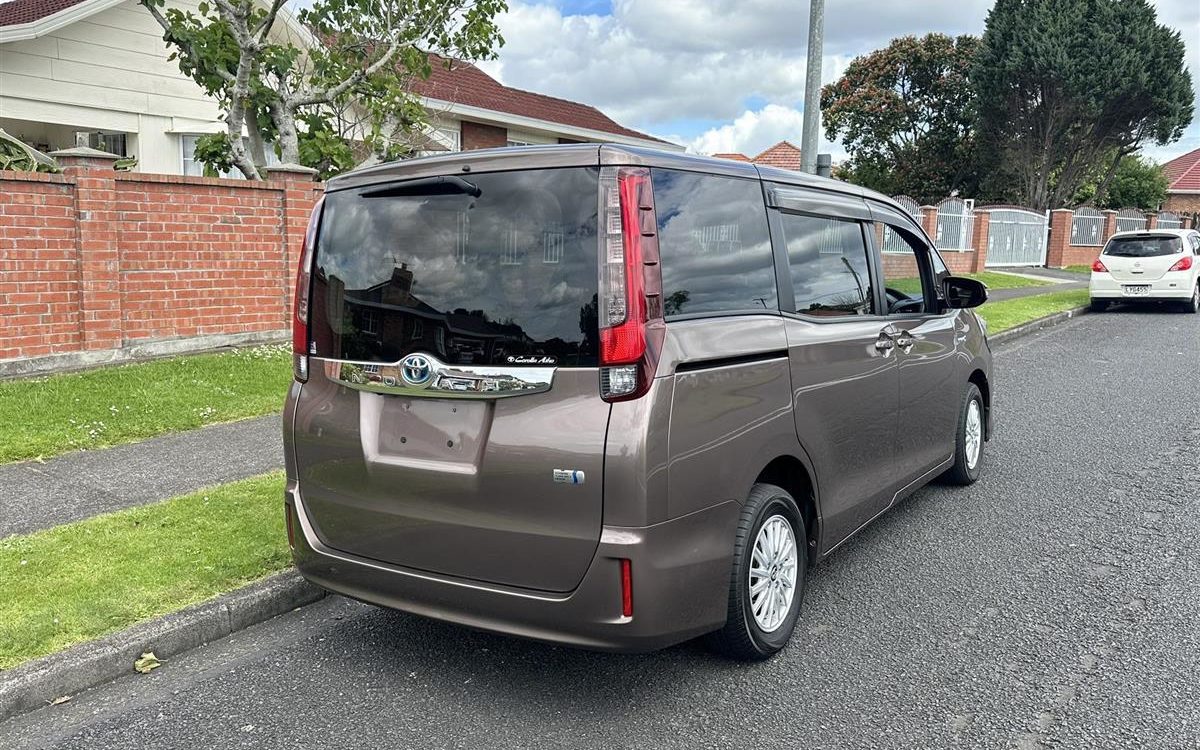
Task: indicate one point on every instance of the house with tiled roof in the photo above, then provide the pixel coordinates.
(1183, 183)
(97, 73)
(785, 155)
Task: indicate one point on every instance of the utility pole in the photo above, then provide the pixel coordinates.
(812, 87)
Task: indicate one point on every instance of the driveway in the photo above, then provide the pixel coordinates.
(1056, 603)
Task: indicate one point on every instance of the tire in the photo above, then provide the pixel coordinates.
(1193, 305)
(965, 471)
(748, 637)
(1098, 305)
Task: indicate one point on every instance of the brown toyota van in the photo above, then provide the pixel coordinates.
(615, 397)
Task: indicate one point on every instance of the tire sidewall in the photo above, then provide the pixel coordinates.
(781, 504)
(973, 394)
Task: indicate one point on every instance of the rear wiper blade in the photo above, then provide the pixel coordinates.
(440, 185)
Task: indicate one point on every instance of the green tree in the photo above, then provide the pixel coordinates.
(1069, 86)
(1136, 183)
(905, 114)
(313, 91)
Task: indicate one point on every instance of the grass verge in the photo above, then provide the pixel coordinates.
(50, 415)
(83, 580)
(1009, 313)
(999, 280)
(1087, 270)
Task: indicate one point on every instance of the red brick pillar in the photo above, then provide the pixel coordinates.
(929, 221)
(1060, 237)
(979, 239)
(96, 243)
(299, 196)
(1151, 221)
(1110, 225)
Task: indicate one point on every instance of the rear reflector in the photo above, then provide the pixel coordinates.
(1099, 267)
(287, 513)
(626, 588)
(1184, 264)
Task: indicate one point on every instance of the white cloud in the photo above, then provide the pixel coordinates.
(752, 132)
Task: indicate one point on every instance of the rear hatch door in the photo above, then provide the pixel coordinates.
(1141, 258)
(452, 422)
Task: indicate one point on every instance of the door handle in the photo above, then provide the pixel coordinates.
(884, 343)
(905, 340)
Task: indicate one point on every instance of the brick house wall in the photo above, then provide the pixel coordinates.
(1182, 203)
(477, 135)
(95, 264)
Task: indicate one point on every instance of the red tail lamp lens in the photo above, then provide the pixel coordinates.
(303, 282)
(1184, 264)
(1099, 266)
(626, 588)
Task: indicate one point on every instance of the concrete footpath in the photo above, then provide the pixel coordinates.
(37, 495)
(1059, 281)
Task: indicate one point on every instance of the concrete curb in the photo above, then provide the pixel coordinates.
(1034, 326)
(36, 683)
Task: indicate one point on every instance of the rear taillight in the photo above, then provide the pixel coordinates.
(1098, 266)
(1184, 264)
(303, 286)
(630, 300)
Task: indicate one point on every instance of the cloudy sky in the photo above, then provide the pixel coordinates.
(728, 75)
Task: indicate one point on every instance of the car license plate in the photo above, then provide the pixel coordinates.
(1137, 290)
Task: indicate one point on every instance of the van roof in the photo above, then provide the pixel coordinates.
(581, 155)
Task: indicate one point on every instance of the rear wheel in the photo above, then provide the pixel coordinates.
(1099, 305)
(1193, 305)
(968, 443)
(769, 563)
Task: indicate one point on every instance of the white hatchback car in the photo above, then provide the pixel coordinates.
(1159, 264)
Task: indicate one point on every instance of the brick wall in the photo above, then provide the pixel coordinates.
(477, 135)
(1183, 203)
(95, 261)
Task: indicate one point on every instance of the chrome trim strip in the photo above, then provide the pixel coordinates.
(421, 374)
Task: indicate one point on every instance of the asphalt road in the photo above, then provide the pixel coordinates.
(1054, 604)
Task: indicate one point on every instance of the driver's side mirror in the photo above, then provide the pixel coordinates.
(962, 292)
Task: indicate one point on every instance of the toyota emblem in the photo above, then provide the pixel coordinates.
(416, 370)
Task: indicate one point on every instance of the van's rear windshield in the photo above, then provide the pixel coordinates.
(1143, 247)
(496, 269)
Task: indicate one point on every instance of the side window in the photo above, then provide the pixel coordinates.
(1196, 244)
(713, 242)
(904, 255)
(829, 265)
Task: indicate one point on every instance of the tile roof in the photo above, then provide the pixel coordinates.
(1183, 172)
(784, 155)
(463, 83)
(735, 156)
(28, 11)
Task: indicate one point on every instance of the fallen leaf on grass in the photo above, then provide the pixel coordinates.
(60, 700)
(148, 662)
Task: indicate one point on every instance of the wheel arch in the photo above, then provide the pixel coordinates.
(980, 379)
(790, 473)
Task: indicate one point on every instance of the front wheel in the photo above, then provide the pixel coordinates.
(968, 442)
(770, 558)
(1193, 305)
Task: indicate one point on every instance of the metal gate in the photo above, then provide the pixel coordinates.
(1016, 237)
(1168, 220)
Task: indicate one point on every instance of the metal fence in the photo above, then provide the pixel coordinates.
(1087, 227)
(1168, 220)
(892, 242)
(955, 223)
(1130, 220)
(1017, 237)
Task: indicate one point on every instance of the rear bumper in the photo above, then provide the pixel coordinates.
(1173, 285)
(680, 572)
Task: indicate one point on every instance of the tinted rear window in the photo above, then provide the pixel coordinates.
(1142, 247)
(714, 244)
(506, 275)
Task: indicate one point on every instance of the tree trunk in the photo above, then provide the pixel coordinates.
(258, 148)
